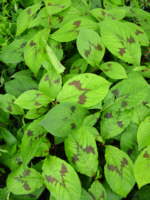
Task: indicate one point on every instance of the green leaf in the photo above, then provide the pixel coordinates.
(32, 99)
(141, 168)
(85, 195)
(25, 17)
(34, 138)
(34, 52)
(78, 66)
(80, 148)
(120, 41)
(119, 171)
(113, 13)
(50, 84)
(97, 191)
(114, 120)
(12, 53)
(54, 60)
(63, 119)
(7, 104)
(61, 179)
(132, 96)
(35, 113)
(85, 89)
(110, 194)
(91, 120)
(24, 180)
(69, 31)
(90, 46)
(57, 6)
(143, 134)
(139, 34)
(22, 81)
(113, 70)
(128, 140)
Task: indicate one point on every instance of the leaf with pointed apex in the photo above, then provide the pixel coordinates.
(97, 191)
(32, 99)
(24, 180)
(143, 133)
(119, 171)
(34, 52)
(141, 168)
(61, 179)
(114, 121)
(120, 41)
(85, 89)
(80, 148)
(54, 7)
(51, 84)
(25, 17)
(90, 46)
(113, 70)
(63, 119)
(54, 60)
(34, 138)
(7, 104)
(69, 31)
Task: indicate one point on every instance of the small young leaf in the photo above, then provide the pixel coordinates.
(97, 191)
(113, 70)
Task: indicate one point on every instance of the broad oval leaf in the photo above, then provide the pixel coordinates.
(90, 46)
(113, 70)
(80, 148)
(61, 179)
(85, 89)
(24, 180)
(143, 133)
(119, 171)
(141, 168)
(63, 119)
(32, 99)
(120, 41)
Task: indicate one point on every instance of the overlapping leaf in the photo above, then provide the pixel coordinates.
(85, 89)
(80, 148)
(119, 171)
(61, 179)
(90, 46)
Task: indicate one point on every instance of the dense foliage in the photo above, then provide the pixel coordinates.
(75, 100)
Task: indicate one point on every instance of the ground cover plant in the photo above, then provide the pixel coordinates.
(75, 100)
